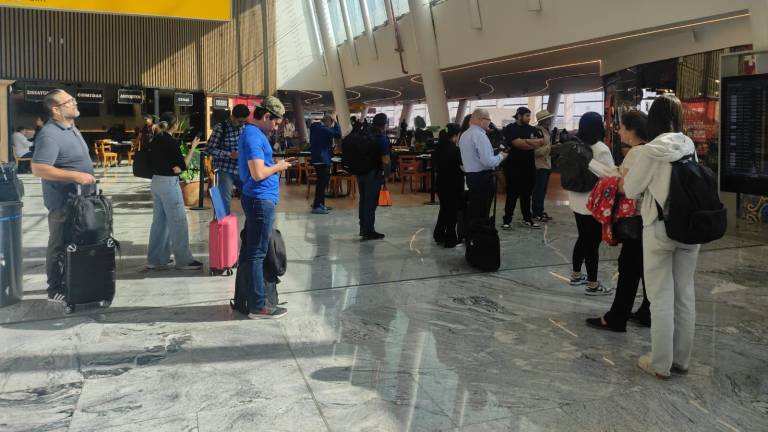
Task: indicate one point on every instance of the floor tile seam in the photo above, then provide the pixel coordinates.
(306, 381)
(364, 285)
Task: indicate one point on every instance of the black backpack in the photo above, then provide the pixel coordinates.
(358, 152)
(574, 159)
(694, 213)
(89, 218)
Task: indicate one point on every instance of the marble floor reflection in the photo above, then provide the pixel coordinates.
(396, 335)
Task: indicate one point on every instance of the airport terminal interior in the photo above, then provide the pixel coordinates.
(403, 331)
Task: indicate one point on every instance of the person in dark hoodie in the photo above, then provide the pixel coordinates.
(321, 136)
(450, 185)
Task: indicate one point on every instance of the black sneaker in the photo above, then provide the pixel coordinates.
(56, 297)
(640, 319)
(598, 324)
(268, 313)
(194, 265)
(530, 224)
(373, 236)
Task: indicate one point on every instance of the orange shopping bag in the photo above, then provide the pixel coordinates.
(385, 199)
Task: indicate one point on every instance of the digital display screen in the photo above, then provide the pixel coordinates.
(744, 131)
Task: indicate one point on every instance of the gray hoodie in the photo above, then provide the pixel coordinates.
(651, 173)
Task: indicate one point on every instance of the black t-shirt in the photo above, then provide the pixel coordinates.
(520, 162)
(165, 155)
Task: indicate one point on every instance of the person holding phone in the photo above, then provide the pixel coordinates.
(260, 175)
(169, 231)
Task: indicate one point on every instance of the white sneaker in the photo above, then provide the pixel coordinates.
(530, 224)
(506, 226)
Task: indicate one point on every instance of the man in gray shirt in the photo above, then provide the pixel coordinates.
(62, 160)
(479, 162)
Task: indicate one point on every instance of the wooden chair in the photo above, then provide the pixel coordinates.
(105, 154)
(339, 179)
(132, 151)
(26, 161)
(311, 174)
(411, 169)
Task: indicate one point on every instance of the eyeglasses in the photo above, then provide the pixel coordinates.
(72, 101)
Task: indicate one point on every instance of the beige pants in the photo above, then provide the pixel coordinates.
(669, 267)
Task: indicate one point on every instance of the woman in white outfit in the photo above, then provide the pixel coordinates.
(669, 265)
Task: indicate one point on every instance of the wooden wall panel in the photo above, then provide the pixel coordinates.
(217, 57)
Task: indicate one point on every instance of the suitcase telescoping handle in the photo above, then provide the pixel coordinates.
(79, 187)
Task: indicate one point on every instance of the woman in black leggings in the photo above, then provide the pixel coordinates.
(633, 132)
(587, 247)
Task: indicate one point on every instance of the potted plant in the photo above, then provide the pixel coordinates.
(189, 179)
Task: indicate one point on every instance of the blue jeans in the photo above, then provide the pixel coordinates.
(369, 186)
(169, 231)
(540, 191)
(226, 182)
(259, 217)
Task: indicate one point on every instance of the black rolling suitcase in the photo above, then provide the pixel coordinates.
(89, 260)
(483, 249)
(89, 274)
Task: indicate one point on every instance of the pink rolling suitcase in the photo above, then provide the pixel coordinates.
(222, 245)
(223, 238)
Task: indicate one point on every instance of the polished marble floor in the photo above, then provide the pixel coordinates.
(396, 335)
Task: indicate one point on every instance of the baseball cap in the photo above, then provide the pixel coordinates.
(273, 106)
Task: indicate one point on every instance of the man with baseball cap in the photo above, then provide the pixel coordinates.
(260, 175)
(543, 162)
(520, 168)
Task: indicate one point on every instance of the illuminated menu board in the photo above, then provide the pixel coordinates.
(744, 123)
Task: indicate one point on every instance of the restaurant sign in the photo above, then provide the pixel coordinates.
(194, 9)
(130, 96)
(183, 99)
(220, 103)
(90, 96)
(36, 93)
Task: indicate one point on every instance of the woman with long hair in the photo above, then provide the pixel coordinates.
(446, 160)
(169, 231)
(634, 133)
(669, 266)
(587, 247)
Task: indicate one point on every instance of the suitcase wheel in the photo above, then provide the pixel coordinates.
(105, 303)
(68, 309)
(229, 272)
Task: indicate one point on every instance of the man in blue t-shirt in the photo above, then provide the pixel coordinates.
(370, 184)
(321, 136)
(260, 175)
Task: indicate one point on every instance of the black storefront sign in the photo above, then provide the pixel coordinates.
(130, 96)
(36, 93)
(90, 96)
(183, 99)
(220, 103)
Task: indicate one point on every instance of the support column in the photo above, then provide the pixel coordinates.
(5, 124)
(553, 103)
(369, 28)
(568, 112)
(298, 117)
(405, 114)
(461, 111)
(265, 45)
(758, 17)
(431, 76)
(335, 74)
(348, 30)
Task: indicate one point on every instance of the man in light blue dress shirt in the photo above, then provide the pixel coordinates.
(479, 161)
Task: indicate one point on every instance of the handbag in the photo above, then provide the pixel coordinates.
(628, 229)
(142, 166)
(385, 199)
(11, 188)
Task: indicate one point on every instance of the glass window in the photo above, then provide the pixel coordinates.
(377, 11)
(401, 7)
(337, 22)
(355, 17)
